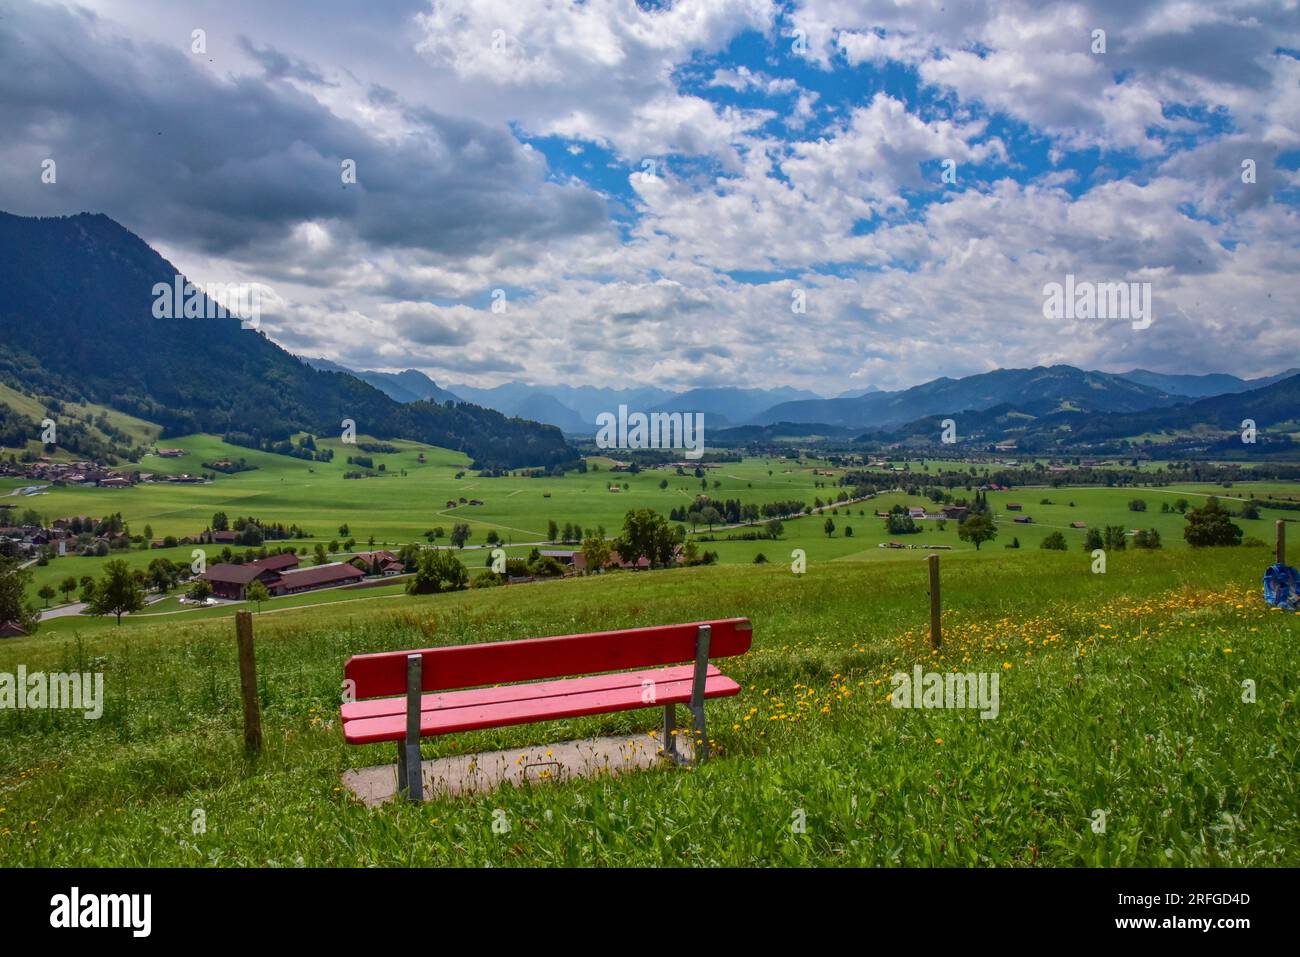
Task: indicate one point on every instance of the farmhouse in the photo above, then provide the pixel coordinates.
(380, 562)
(1023, 519)
(318, 576)
(916, 512)
(574, 561)
(171, 453)
(958, 512)
(1013, 506)
(1078, 524)
(11, 629)
(232, 581)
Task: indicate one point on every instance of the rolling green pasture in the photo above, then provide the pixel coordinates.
(141, 432)
(1120, 693)
(411, 497)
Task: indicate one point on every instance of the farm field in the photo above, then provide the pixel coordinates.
(1119, 692)
(411, 497)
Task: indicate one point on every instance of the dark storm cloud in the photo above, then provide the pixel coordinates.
(229, 165)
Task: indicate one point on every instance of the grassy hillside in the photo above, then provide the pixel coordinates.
(1119, 692)
(124, 432)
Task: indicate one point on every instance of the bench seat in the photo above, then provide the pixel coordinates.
(405, 696)
(384, 719)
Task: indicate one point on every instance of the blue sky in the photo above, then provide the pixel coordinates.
(652, 187)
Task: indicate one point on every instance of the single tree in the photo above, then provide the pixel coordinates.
(1054, 542)
(1146, 538)
(1211, 525)
(118, 592)
(46, 592)
(257, 593)
(977, 529)
(437, 570)
(596, 553)
(13, 589)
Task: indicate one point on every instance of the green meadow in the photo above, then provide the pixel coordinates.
(410, 497)
(1125, 733)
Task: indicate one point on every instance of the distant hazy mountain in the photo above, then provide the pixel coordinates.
(1275, 409)
(1040, 389)
(409, 386)
(1277, 403)
(574, 409)
(1201, 386)
(732, 406)
(76, 320)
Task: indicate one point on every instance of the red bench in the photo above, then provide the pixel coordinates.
(373, 712)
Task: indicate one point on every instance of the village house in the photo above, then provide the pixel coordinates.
(231, 581)
(318, 576)
(1013, 506)
(575, 562)
(956, 512)
(380, 562)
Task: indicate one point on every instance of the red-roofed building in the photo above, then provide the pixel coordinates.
(318, 576)
(382, 562)
(232, 581)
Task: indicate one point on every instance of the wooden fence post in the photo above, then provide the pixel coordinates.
(936, 636)
(1281, 542)
(248, 682)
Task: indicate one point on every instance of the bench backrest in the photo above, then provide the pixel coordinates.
(533, 659)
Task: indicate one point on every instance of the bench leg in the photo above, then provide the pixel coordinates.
(670, 733)
(698, 730)
(410, 776)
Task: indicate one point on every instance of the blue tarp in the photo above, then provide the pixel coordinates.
(1282, 587)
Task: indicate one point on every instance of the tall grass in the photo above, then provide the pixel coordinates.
(1120, 693)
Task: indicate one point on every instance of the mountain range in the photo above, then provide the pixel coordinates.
(1039, 392)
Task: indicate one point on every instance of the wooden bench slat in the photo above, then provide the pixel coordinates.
(534, 659)
(381, 707)
(501, 714)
